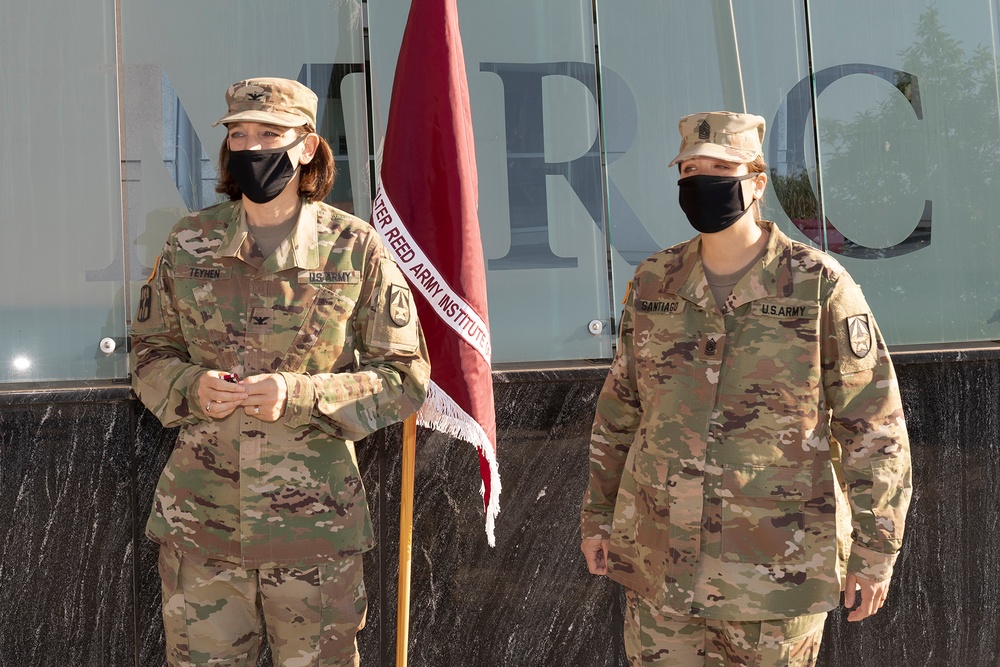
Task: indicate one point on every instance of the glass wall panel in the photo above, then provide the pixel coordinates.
(910, 160)
(532, 81)
(59, 186)
(663, 60)
(179, 58)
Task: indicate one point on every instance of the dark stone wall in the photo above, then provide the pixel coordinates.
(67, 539)
(78, 582)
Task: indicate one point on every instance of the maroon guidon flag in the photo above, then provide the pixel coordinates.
(426, 212)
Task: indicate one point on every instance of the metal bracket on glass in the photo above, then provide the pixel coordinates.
(108, 345)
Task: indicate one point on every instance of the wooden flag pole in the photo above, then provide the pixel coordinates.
(405, 538)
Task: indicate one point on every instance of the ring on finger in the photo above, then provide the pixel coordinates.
(256, 410)
(208, 406)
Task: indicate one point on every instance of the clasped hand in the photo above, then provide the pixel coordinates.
(261, 396)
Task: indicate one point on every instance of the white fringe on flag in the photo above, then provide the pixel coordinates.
(441, 413)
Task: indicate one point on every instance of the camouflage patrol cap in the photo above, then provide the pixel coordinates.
(723, 135)
(280, 102)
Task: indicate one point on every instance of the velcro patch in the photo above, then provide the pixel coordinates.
(711, 347)
(787, 311)
(261, 321)
(860, 334)
(145, 308)
(399, 305)
(149, 312)
(202, 273)
(347, 277)
(669, 306)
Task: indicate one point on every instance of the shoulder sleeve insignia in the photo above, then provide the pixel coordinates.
(860, 335)
(145, 308)
(399, 305)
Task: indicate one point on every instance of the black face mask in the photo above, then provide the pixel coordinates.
(263, 174)
(713, 203)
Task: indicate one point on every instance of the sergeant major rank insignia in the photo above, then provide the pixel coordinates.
(860, 335)
(711, 346)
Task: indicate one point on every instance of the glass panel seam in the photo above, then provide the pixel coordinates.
(606, 208)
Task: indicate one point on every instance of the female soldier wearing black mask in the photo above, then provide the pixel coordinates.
(275, 331)
(749, 458)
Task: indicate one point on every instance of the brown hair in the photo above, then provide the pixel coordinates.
(316, 179)
(757, 166)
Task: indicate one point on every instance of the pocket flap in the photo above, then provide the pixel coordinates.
(774, 482)
(650, 470)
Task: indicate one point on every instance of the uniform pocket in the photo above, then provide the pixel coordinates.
(174, 607)
(791, 642)
(200, 311)
(322, 338)
(640, 532)
(343, 610)
(764, 514)
(392, 326)
(888, 491)
(777, 352)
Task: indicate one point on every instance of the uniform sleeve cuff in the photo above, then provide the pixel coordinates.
(595, 528)
(195, 407)
(300, 401)
(869, 564)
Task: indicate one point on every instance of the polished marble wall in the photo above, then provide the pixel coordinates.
(78, 583)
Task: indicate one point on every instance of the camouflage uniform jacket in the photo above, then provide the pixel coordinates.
(740, 462)
(330, 311)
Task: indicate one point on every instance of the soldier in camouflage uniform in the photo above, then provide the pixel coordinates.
(274, 332)
(749, 457)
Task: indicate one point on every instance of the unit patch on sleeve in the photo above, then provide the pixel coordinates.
(860, 335)
(399, 305)
(148, 315)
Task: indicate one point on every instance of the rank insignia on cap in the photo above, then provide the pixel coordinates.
(399, 305)
(704, 130)
(860, 335)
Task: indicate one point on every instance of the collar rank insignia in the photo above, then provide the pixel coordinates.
(704, 130)
(860, 335)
